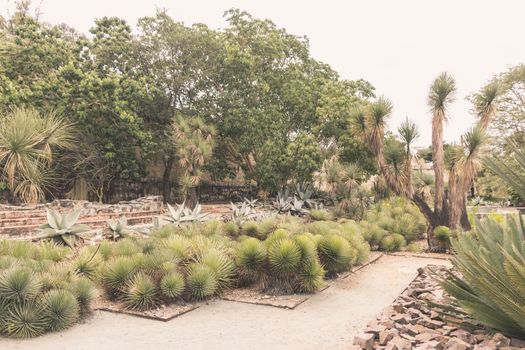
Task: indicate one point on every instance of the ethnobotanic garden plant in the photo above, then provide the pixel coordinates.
(62, 227)
(39, 292)
(492, 265)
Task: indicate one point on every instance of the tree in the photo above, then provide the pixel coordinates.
(194, 142)
(181, 65)
(28, 142)
(463, 161)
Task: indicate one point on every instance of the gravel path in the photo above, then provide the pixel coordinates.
(328, 320)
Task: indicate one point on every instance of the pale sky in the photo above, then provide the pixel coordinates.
(399, 46)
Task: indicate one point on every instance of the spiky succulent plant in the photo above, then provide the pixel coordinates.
(18, 284)
(311, 276)
(118, 228)
(172, 285)
(62, 228)
(140, 293)
(250, 256)
(60, 309)
(222, 266)
(25, 320)
(115, 275)
(201, 281)
(335, 253)
(183, 214)
(284, 256)
(84, 291)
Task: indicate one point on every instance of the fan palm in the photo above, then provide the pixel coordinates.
(409, 133)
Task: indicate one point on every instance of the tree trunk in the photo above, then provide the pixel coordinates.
(192, 198)
(166, 180)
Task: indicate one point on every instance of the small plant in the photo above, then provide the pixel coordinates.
(320, 215)
(442, 234)
(335, 253)
(250, 228)
(283, 202)
(25, 320)
(61, 310)
(201, 281)
(250, 256)
(141, 293)
(184, 214)
(251, 203)
(304, 192)
(118, 228)
(297, 207)
(239, 214)
(62, 228)
(172, 285)
(284, 256)
(19, 284)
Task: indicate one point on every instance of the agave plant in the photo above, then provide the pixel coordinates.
(240, 213)
(282, 202)
(297, 207)
(184, 214)
(62, 227)
(304, 192)
(118, 228)
(250, 202)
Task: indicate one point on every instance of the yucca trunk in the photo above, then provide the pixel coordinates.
(438, 161)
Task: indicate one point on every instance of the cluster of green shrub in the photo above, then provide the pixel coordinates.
(393, 224)
(39, 290)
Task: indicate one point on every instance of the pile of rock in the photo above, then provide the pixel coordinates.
(410, 324)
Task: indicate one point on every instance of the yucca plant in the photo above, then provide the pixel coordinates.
(172, 285)
(115, 275)
(491, 286)
(311, 276)
(84, 291)
(250, 257)
(222, 266)
(335, 253)
(60, 309)
(140, 293)
(250, 228)
(284, 256)
(62, 228)
(19, 284)
(201, 281)
(86, 264)
(25, 320)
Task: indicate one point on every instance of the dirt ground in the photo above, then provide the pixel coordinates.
(328, 320)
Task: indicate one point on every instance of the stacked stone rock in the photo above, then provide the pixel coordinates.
(410, 324)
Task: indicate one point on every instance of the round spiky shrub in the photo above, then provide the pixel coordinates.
(223, 267)
(141, 293)
(19, 284)
(60, 309)
(105, 250)
(413, 247)
(172, 285)
(178, 246)
(25, 320)
(86, 264)
(84, 291)
(267, 226)
(126, 247)
(276, 236)
(335, 253)
(116, 274)
(250, 255)
(320, 215)
(284, 256)
(230, 228)
(211, 228)
(201, 281)
(392, 242)
(48, 250)
(311, 277)
(250, 228)
(306, 246)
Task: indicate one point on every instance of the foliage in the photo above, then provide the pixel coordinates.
(183, 214)
(28, 145)
(118, 228)
(491, 265)
(62, 227)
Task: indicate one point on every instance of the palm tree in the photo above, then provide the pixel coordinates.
(441, 94)
(28, 140)
(194, 143)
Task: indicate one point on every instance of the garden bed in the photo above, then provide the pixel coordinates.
(162, 313)
(409, 323)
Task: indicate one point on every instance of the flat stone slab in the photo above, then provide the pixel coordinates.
(162, 313)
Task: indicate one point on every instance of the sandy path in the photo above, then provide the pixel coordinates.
(328, 320)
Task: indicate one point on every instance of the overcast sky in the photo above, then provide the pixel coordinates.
(399, 46)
